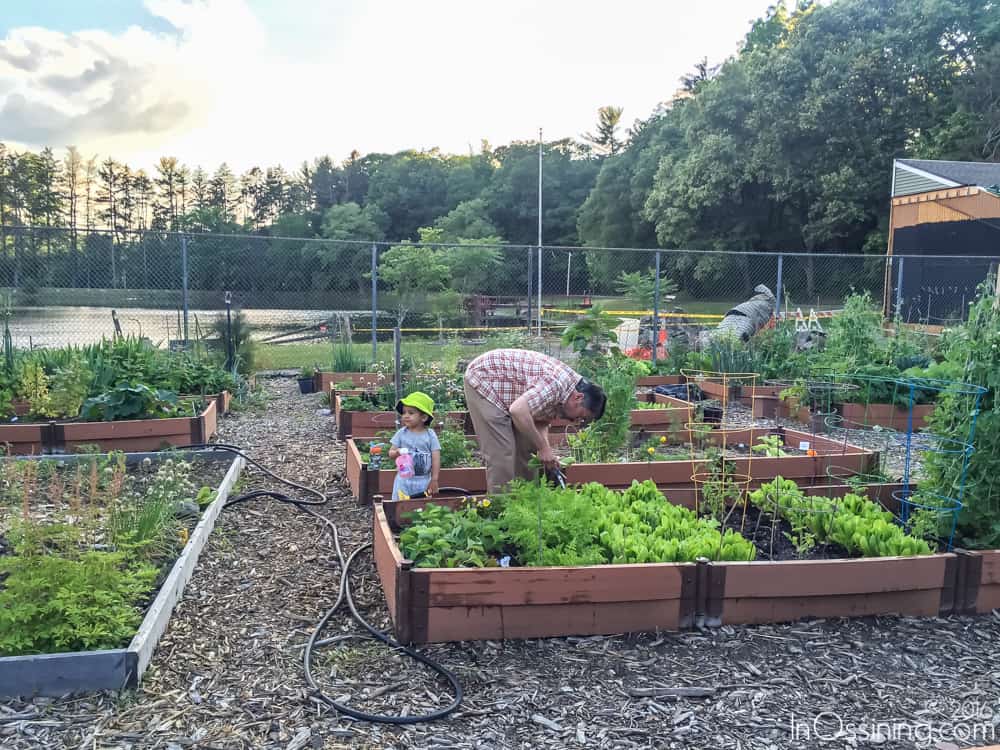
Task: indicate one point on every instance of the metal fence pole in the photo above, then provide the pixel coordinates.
(531, 277)
(569, 265)
(374, 302)
(777, 288)
(899, 287)
(230, 358)
(656, 310)
(539, 290)
(184, 283)
(398, 369)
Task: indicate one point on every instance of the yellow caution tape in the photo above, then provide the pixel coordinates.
(642, 313)
(495, 329)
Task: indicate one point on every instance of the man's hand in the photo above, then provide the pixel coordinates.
(548, 458)
(432, 488)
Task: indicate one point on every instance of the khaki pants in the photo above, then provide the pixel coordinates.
(504, 449)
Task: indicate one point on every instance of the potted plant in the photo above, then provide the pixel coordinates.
(306, 380)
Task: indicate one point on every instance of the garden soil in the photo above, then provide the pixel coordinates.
(228, 672)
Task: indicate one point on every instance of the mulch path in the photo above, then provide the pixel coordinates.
(228, 672)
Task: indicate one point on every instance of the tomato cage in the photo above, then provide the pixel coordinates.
(720, 483)
(924, 426)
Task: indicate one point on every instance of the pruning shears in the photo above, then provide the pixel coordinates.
(556, 476)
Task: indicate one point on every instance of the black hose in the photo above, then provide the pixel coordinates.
(344, 593)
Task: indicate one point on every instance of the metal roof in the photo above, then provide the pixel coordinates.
(982, 174)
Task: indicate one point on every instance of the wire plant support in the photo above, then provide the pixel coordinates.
(718, 485)
(897, 409)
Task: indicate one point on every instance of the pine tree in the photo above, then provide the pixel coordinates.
(606, 140)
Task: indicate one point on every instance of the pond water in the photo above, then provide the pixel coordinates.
(60, 325)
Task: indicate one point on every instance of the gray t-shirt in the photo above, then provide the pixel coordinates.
(420, 445)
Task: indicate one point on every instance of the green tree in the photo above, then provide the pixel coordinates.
(605, 140)
(414, 273)
(411, 187)
(640, 288)
(468, 220)
(344, 262)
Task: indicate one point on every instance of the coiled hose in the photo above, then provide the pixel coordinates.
(344, 594)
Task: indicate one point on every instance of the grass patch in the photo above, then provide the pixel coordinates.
(296, 356)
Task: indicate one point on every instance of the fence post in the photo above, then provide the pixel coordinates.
(777, 288)
(899, 287)
(230, 358)
(184, 284)
(531, 278)
(397, 360)
(656, 310)
(374, 302)
(539, 290)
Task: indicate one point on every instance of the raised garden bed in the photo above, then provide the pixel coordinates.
(651, 381)
(851, 415)
(884, 415)
(683, 496)
(766, 592)
(367, 424)
(324, 381)
(980, 581)
(831, 456)
(438, 604)
(60, 436)
(433, 604)
(114, 669)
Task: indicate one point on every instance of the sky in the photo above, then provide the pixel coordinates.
(265, 82)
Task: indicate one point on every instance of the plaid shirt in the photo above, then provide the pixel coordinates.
(502, 376)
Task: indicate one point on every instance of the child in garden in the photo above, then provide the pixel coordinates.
(418, 441)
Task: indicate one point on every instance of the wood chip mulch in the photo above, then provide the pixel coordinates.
(228, 672)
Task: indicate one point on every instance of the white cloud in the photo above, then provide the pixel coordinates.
(378, 76)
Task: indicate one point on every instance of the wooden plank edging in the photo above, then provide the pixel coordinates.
(115, 669)
(433, 605)
(158, 615)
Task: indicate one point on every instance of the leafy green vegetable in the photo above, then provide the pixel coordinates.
(128, 402)
(591, 525)
(854, 522)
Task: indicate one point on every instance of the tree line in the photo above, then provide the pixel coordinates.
(787, 145)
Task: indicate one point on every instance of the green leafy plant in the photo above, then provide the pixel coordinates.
(359, 403)
(854, 522)
(144, 523)
(70, 386)
(346, 359)
(33, 386)
(439, 537)
(770, 446)
(50, 603)
(241, 334)
(730, 354)
(591, 332)
(973, 350)
(129, 402)
(803, 540)
(456, 448)
(639, 287)
(543, 525)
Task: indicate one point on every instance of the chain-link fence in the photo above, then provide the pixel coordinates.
(74, 286)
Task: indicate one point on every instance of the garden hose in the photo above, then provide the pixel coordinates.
(344, 594)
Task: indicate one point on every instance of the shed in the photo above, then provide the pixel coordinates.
(940, 208)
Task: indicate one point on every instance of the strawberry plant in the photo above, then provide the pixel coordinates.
(440, 537)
